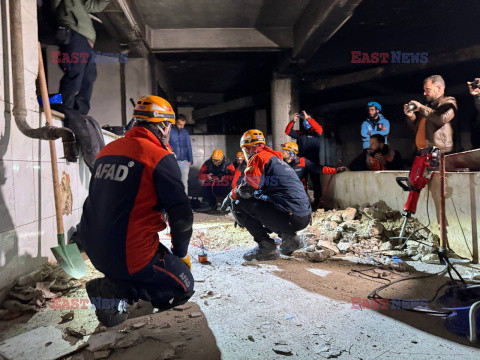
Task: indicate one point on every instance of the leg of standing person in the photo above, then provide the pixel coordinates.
(71, 82)
(184, 170)
(82, 100)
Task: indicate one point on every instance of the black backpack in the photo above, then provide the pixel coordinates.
(47, 22)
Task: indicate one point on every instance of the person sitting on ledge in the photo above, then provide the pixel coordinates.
(379, 156)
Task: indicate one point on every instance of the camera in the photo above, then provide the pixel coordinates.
(411, 107)
(301, 116)
(475, 84)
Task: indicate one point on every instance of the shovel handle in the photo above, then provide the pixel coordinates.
(53, 152)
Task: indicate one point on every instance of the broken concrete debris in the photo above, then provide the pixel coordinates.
(67, 317)
(282, 350)
(363, 234)
(31, 292)
(47, 338)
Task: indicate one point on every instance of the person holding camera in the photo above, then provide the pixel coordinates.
(308, 140)
(474, 88)
(431, 122)
(75, 37)
(375, 124)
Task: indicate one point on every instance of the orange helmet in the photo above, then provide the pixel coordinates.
(240, 156)
(217, 156)
(290, 146)
(154, 109)
(252, 137)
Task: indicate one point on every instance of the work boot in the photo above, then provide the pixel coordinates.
(111, 309)
(265, 250)
(290, 243)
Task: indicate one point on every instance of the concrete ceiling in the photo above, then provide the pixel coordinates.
(188, 14)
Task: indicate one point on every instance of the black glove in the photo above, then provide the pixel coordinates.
(226, 204)
(246, 191)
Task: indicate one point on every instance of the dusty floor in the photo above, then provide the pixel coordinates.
(275, 309)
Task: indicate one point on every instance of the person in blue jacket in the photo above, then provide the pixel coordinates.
(182, 147)
(374, 124)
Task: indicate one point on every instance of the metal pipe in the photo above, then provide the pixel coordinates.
(19, 103)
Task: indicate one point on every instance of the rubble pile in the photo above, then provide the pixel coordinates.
(365, 233)
(32, 291)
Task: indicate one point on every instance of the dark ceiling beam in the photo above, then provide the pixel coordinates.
(384, 100)
(318, 23)
(436, 60)
(218, 39)
(228, 106)
(199, 98)
(125, 24)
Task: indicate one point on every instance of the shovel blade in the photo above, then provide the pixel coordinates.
(70, 259)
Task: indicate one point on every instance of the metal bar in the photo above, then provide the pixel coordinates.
(443, 230)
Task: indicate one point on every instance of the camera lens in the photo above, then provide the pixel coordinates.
(411, 107)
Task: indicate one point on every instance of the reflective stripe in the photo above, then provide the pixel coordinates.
(172, 275)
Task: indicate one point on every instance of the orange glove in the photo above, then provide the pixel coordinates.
(187, 261)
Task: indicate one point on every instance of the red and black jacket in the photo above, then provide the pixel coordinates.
(303, 167)
(308, 140)
(134, 180)
(209, 168)
(266, 171)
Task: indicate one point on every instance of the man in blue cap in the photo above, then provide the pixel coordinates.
(374, 124)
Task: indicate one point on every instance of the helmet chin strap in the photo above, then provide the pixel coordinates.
(249, 151)
(160, 130)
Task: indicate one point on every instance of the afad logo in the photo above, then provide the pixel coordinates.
(393, 57)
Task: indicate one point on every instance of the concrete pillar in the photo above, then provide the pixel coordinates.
(261, 120)
(284, 106)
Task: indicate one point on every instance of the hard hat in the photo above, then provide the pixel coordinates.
(154, 109)
(290, 146)
(252, 137)
(375, 104)
(240, 155)
(217, 156)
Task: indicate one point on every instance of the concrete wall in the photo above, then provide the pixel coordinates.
(462, 202)
(27, 212)
(105, 105)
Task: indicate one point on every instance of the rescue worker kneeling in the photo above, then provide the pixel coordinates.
(136, 179)
(303, 166)
(216, 175)
(270, 198)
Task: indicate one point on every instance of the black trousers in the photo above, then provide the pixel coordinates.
(77, 83)
(166, 282)
(211, 194)
(317, 187)
(260, 217)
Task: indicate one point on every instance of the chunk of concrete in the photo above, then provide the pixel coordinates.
(32, 345)
(104, 340)
(349, 214)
